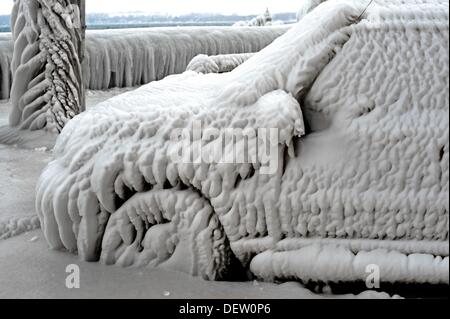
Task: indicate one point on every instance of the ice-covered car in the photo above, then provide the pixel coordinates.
(359, 104)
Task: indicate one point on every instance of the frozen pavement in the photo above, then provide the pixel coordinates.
(19, 171)
(31, 270)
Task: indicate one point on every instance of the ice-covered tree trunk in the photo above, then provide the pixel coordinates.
(47, 89)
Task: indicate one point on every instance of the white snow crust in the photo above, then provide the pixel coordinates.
(361, 104)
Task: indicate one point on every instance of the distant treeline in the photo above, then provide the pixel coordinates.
(105, 21)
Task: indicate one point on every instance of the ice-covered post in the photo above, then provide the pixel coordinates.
(47, 89)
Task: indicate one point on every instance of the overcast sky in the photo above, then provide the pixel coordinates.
(181, 6)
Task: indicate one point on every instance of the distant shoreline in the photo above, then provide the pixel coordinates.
(155, 25)
(7, 29)
(105, 22)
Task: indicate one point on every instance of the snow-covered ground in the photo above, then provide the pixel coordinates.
(37, 272)
(19, 170)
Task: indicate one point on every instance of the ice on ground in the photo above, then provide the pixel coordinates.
(39, 140)
(361, 107)
(37, 272)
(19, 171)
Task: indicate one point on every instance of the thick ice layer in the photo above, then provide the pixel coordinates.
(132, 57)
(378, 168)
(336, 263)
(370, 176)
(123, 58)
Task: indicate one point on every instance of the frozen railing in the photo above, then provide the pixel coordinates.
(131, 57)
